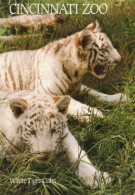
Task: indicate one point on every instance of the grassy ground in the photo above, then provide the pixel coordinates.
(109, 142)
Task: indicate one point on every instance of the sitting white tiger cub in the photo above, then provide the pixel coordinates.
(57, 68)
(31, 120)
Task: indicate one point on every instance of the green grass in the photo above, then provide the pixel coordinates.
(109, 142)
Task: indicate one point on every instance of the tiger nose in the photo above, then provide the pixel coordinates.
(45, 155)
(118, 58)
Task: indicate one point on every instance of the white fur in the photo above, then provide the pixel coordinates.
(16, 132)
(82, 111)
(87, 173)
(42, 70)
(104, 97)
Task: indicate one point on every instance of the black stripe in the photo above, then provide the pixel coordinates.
(94, 44)
(60, 89)
(51, 92)
(89, 68)
(66, 72)
(101, 55)
(61, 81)
(90, 54)
(95, 55)
(33, 115)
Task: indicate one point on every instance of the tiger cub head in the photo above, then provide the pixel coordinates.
(41, 125)
(97, 50)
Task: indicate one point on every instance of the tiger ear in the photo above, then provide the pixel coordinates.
(62, 103)
(86, 39)
(18, 106)
(94, 26)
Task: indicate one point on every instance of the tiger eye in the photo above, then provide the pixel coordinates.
(33, 132)
(53, 131)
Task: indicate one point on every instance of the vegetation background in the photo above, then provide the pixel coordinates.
(109, 142)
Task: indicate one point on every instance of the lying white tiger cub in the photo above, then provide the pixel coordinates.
(57, 68)
(28, 119)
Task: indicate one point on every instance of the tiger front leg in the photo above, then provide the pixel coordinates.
(82, 111)
(116, 98)
(85, 171)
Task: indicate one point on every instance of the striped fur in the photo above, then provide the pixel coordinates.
(31, 120)
(57, 68)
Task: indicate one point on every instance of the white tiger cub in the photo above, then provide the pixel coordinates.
(31, 120)
(57, 68)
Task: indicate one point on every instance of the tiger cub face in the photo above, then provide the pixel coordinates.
(40, 125)
(100, 54)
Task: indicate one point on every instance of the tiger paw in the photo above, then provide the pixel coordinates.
(97, 113)
(90, 115)
(99, 179)
(123, 97)
(116, 98)
(102, 179)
